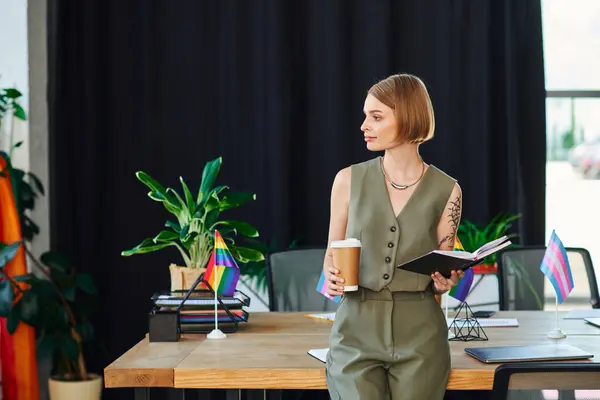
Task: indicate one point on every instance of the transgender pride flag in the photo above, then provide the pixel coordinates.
(555, 266)
(322, 288)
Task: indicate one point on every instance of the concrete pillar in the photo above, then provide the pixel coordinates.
(38, 116)
(38, 138)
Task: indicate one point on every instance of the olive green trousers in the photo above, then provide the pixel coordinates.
(388, 345)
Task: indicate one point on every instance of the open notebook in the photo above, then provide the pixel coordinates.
(444, 261)
(479, 254)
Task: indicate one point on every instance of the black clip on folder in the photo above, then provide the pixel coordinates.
(165, 324)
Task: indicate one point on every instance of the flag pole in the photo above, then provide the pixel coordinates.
(216, 300)
(446, 304)
(556, 333)
(445, 298)
(556, 309)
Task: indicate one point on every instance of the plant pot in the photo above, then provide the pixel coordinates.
(80, 390)
(182, 278)
(484, 269)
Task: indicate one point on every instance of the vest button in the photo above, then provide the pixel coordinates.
(393, 229)
(387, 259)
(386, 276)
(390, 245)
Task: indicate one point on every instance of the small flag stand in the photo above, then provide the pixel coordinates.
(555, 266)
(466, 329)
(225, 273)
(556, 333)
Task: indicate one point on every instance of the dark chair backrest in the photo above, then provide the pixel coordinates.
(541, 380)
(523, 286)
(292, 277)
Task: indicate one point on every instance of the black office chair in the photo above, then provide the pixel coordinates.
(292, 278)
(541, 381)
(522, 284)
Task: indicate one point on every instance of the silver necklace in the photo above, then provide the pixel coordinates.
(401, 187)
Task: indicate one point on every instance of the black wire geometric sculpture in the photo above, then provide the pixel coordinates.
(468, 328)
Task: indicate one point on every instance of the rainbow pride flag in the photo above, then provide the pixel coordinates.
(555, 266)
(460, 291)
(223, 265)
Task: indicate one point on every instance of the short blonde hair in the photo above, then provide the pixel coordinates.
(408, 97)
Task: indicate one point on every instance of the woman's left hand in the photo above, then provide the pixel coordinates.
(443, 284)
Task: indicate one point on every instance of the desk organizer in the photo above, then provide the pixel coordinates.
(193, 311)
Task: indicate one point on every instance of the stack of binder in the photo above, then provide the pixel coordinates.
(197, 314)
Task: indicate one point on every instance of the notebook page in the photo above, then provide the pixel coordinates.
(456, 254)
(319, 354)
(487, 252)
(488, 246)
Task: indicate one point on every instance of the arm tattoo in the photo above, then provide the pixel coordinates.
(454, 220)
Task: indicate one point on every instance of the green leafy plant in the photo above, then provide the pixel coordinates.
(57, 302)
(9, 104)
(473, 236)
(192, 233)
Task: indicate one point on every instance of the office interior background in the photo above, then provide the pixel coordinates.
(276, 89)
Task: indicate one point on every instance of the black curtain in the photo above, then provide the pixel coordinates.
(277, 89)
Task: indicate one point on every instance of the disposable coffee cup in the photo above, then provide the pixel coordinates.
(346, 258)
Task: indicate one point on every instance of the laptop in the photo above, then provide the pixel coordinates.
(552, 352)
(593, 321)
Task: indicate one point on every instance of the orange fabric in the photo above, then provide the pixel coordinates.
(18, 351)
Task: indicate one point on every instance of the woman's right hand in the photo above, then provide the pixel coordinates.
(331, 275)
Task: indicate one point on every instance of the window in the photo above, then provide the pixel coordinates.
(571, 32)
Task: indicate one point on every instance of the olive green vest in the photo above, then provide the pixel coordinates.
(389, 240)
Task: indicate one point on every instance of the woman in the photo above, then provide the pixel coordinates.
(389, 338)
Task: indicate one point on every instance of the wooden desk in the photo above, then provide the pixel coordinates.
(270, 353)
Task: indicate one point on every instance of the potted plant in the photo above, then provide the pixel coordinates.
(196, 218)
(57, 303)
(474, 236)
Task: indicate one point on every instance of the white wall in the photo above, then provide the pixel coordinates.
(14, 68)
(13, 44)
